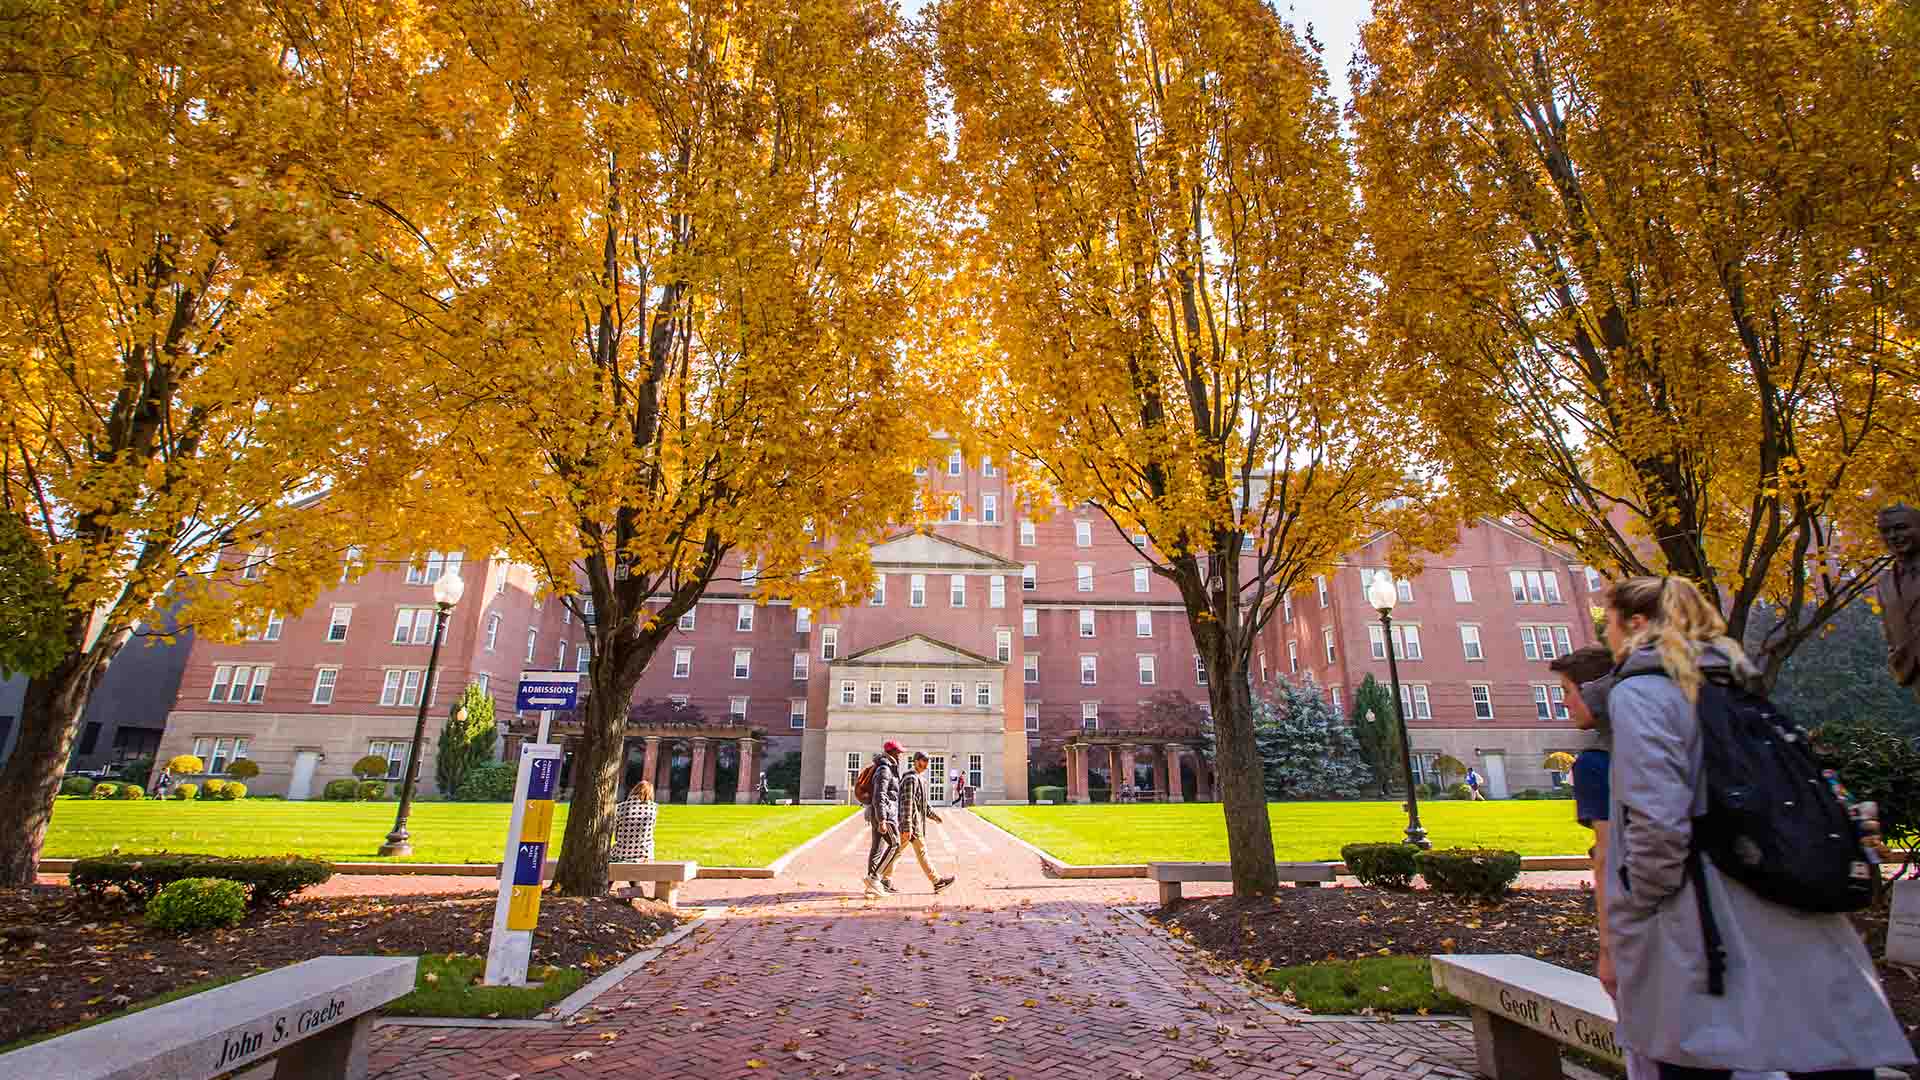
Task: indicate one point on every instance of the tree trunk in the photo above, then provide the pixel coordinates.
(1238, 771)
(49, 716)
(597, 761)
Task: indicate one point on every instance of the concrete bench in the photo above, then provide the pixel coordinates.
(1170, 875)
(313, 1019)
(667, 877)
(1524, 1009)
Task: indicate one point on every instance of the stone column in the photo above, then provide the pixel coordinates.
(711, 784)
(1156, 771)
(1113, 772)
(1202, 786)
(1126, 771)
(1175, 785)
(663, 780)
(1077, 774)
(699, 787)
(747, 784)
(651, 770)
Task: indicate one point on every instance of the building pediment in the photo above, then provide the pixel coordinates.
(916, 650)
(929, 551)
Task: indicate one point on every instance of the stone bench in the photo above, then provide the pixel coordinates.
(1170, 875)
(666, 876)
(1524, 1009)
(313, 1019)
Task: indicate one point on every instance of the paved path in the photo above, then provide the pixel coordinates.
(1007, 974)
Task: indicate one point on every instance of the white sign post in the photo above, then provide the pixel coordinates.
(516, 910)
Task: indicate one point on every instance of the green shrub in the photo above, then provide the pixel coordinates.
(370, 766)
(1384, 866)
(1479, 872)
(779, 795)
(132, 791)
(233, 790)
(105, 791)
(342, 790)
(1425, 791)
(1529, 793)
(492, 781)
(243, 769)
(198, 903)
(185, 791)
(140, 876)
(1460, 791)
(136, 769)
(211, 789)
(186, 765)
(1050, 794)
(76, 785)
(372, 789)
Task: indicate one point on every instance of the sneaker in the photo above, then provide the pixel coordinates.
(887, 887)
(941, 885)
(873, 889)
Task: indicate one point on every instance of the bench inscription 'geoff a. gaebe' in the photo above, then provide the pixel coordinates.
(1524, 1010)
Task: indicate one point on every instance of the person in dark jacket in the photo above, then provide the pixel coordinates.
(883, 816)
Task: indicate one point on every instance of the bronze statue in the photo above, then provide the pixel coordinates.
(1899, 592)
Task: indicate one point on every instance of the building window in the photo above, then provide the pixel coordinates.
(929, 693)
(803, 620)
(1199, 671)
(983, 694)
(1090, 716)
(1143, 624)
(955, 464)
(1376, 642)
(749, 572)
(323, 685)
(1595, 583)
(1403, 589)
(437, 563)
(271, 631)
(1470, 642)
(1146, 671)
(1320, 586)
(1413, 698)
(256, 564)
(1003, 645)
(1563, 640)
(1030, 668)
(689, 618)
(1558, 694)
(560, 658)
(956, 508)
(957, 590)
(917, 591)
(566, 613)
(401, 687)
(987, 467)
(413, 626)
(957, 694)
(1293, 658)
(682, 663)
(1029, 622)
(1029, 577)
(920, 469)
(976, 774)
(1406, 641)
(1140, 579)
(903, 693)
(1328, 637)
(1089, 670)
(878, 597)
(218, 753)
(1542, 703)
(853, 768)
(1545, 642)
(847, 691)
(1032, 711)
(990, 509)
(1083, 577)
(583, 657)
(1026, 534)
(1534, 586)
(242, 684)
(1462, 588)
(493, 632)
(1482, 701)
(742, 663)
(997, 591)
(1286, 607)
(829, 642)
(743, 618)
(1334, 691)
(876, 693)
(796, 713)
(1086, 622)
(533, 639)
(800, 667)
(737, 709)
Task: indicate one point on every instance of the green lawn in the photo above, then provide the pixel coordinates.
(1302, 832)
(1393, 984)
(443, 832)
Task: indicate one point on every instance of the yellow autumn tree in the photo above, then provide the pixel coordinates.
(181, 249)
(1649, 270)
(1163, 259)
(673, 313)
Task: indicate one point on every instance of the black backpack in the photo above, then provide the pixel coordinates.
(1772, 821)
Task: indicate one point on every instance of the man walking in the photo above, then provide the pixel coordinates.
(883, 815)
(915, 812)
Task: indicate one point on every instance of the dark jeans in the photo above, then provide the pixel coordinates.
(881, 853)
(1687, 1072)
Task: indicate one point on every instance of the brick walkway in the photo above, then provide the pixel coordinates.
(1007, 974)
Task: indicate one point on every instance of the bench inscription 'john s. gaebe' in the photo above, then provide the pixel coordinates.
(248, 1042)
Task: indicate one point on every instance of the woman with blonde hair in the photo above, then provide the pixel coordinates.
(1800, 993)
(633, 822)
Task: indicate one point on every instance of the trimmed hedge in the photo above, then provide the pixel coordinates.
(234, 790)
(211, 789)
(186, 765)
(197, 903)
(341, 790)
(141, 876)
(493, 782)
(1383, 866)
(1050, 794)
(185, 791)
(76, 785)
(1460, 791)
(105, 791)
(1482, 872)
(132, 791)
(372, 789)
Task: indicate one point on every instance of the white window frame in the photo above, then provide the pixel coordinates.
(1082, 577)
(878, 597)
(1563, 639)
(1482, 695)
(956, 463)
(1031, 714)
(493, 632)
(325, 681)
(340, 621)
(1376, 641)
(997, 591)
(983, 694)
(1028, 536)
(1327, 635)
(796, 714)
(1029, 622)
(222, 678)
(1320, 586)
(1029, 577)
(1462, 586)
(533, 643)
(849, 692)
(1147, 672)
(1471, 646)
(1142, 580)
(560, 657)
(1542, 703)
(1143, 623)
(803, 620)
(929, 695)
(956, 694)
(829, 642)
(987, 468)
(1293, 658)
(990, 509)
(917, 590)
(582, 657)
(1089, 716)
(1417, 700)
(1089, 669)
(1083, 533)
(902, 694)
(743, 663)
(1003, 645)
(1030, 668)
(683, 663)
(957, 590)
(802, 666)
(1199, 670)
(737, 709)
(689, 618)
(876, 692)
(1530, 643)
(1087, 628)
(956, 509)
(1406, 640)
(743, 618)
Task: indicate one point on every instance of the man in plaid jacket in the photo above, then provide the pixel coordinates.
(915, 811)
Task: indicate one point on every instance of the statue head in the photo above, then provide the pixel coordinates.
(1900, 529)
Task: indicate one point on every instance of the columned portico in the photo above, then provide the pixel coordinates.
(700, 778)
(1079, 790)
(1123, 749)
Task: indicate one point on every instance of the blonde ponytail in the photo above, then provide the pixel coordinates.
(1680, 626)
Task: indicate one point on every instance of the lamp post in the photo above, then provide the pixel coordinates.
(446, 593)
(1382, 594)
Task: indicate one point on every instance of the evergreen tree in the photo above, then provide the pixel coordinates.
(1306, 749)
(466, 740)
(1378, 731)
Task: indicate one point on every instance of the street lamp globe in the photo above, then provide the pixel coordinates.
(1381, 593)
(448, 590)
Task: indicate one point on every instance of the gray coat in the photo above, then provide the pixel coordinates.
(1801, 993)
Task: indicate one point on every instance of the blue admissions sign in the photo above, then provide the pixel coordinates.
(548, 690)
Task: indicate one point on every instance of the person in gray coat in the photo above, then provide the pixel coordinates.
(1801, 993)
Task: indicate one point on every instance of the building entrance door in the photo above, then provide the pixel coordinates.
(1496, 762)
(301, 786)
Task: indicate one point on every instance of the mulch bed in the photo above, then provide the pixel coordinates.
(1306, 926)
(64, 961)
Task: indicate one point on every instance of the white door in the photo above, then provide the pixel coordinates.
(1496, 765)
(304, 763)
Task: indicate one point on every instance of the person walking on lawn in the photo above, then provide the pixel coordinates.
(915, 811)
(882, 781)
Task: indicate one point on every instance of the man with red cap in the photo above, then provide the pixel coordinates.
(883, 815)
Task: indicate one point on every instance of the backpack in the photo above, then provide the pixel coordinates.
(863, 784)
(1772, 821)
